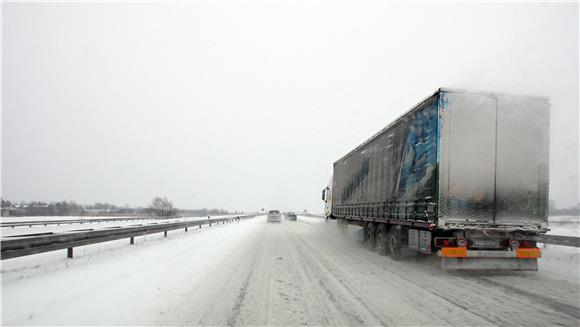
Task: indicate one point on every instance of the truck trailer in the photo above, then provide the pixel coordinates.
(463, 175)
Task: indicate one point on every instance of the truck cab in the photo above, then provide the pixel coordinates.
(327, 198)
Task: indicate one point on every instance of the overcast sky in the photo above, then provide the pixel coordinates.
(247, 106)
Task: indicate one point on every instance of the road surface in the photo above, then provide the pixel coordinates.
(255, 273)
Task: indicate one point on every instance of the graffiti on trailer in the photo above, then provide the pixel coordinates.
(356, 181)
(418, 170)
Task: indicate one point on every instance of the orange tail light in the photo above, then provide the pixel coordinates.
(455, 252)
(528, 253)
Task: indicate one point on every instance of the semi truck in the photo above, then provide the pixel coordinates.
(462, 175)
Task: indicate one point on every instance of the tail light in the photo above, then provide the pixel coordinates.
(527, 244)
(445, 242)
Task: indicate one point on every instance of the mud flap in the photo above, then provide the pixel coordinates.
(489, 264)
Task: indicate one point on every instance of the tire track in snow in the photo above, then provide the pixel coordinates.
(389, 283)
(317, 281)
(547, 301)
(463, 292)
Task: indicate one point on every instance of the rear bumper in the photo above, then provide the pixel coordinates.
(458, 252)
(483, 263)
(463, 259)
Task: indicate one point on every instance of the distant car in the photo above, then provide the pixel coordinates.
(274, 216)
(290, 216)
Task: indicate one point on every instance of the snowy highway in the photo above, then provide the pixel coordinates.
(293, 273)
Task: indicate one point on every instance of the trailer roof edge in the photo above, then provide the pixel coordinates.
(490, 93)
(428, 98)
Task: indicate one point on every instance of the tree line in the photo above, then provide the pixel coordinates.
(159, 206)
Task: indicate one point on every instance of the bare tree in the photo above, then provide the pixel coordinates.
(161, 206)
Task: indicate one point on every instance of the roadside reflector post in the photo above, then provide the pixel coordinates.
(69, 253)
(132, 240)
(165, 233)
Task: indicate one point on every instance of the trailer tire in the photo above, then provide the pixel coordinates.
(382, 238)
(394, 242)
(370, 236)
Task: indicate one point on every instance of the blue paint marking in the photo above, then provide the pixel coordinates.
(420, 156)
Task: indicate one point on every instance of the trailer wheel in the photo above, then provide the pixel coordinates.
(394, 242)
(370, 236)
(382, 239)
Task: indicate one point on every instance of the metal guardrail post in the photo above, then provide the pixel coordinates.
(24, 245)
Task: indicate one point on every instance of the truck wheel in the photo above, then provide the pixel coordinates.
(382, 237)
(370, 236)
(394, 242)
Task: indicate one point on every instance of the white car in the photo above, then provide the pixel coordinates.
(274, 216)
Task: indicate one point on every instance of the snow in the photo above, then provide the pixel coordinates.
(565, 226)
(294, 273)
(22, 230)
(561, 262)
(52, 218)
(50, 289)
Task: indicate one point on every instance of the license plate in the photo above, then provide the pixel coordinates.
(486, 243)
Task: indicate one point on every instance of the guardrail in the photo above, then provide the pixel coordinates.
(559, 240)
(72, 221)
(23, 245)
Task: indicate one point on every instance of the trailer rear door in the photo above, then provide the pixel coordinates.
(522, 160)
(493, 158)
(467, 157)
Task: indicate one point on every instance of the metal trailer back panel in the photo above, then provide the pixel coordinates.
(458, 159)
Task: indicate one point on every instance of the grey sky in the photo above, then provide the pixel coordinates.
(247, 106)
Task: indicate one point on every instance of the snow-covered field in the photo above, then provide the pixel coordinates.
(293, 273)
(564, 225)
(22, 230)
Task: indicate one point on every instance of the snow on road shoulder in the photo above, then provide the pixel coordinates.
(561, 262)
(137, 278)
(105, 223)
